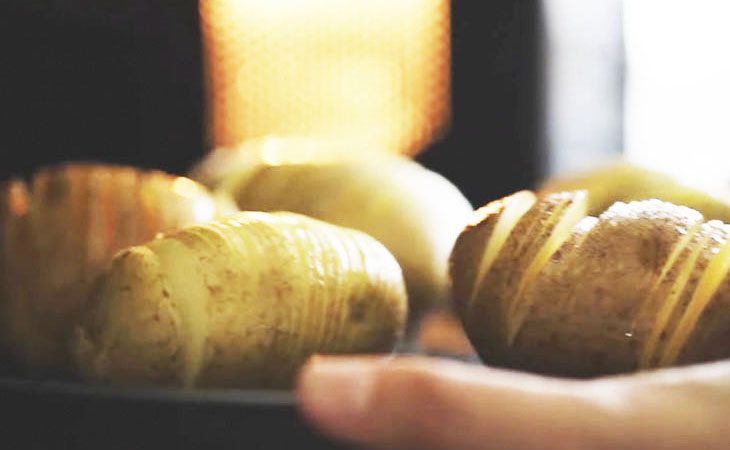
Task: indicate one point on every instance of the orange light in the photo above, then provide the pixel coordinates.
(375, 71)
(18, 198)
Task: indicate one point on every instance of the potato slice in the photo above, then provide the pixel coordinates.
(474, 253)
(671, 292)
(707, 290)
(533, 347)
(572, 210)
(488, 231)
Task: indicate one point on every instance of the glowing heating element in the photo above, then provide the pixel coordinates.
(376, 71)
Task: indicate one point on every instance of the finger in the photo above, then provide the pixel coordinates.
(436, 404)
(669, 409)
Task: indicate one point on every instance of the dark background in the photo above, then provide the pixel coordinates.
(120, 81)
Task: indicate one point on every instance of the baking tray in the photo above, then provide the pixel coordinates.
(49, 414)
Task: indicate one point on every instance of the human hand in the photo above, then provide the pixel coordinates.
(432, 404)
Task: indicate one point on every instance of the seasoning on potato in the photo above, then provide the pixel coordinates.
(60, 230)
(541, 286)
(626, 181)
(240, 302)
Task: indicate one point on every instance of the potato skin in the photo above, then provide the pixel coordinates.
(464, 261)
(584, 308)
(241, 302)
(708, 340)
(61, 230)
(481, 304)
(597, 299)
(485, 311)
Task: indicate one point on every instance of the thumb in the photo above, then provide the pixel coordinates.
(433, 404)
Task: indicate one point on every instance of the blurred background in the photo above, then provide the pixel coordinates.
(158, 83)
(494, 95)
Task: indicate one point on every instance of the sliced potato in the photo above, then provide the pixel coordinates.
(638, 287)
(62, 230)
(241, 302)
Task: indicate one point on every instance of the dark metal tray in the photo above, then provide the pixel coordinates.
(43, 414)
(51, 412)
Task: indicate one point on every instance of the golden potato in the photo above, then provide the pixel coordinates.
(638, 287)
(241, 302)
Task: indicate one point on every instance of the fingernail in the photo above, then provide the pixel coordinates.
(334, 393)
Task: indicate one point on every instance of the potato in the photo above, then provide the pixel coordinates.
(525, 233)
(625, 181)
(641, 286)
(240, 302)
(60, 231)
(414, 212)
